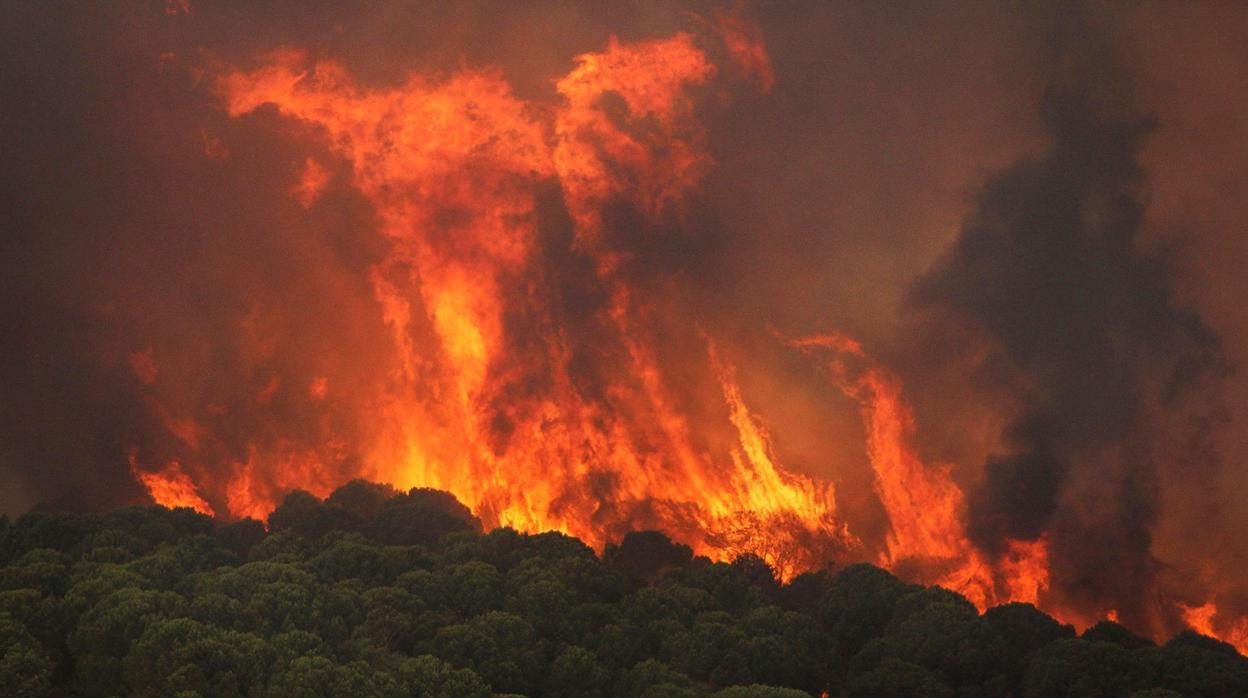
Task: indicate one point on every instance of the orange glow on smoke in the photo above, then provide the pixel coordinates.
(311, 184)
(744, 42)
(926, 508)
(453, 167)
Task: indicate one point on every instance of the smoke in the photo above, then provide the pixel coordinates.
(1078, 326)
(176, 286)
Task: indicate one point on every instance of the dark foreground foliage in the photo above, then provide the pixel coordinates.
(374, 593)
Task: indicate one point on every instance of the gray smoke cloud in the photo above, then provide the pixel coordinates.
(1057, 219)
(1083, 331)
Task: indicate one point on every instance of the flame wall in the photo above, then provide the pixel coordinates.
(943, 289)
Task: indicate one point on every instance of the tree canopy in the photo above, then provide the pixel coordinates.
(374, 592)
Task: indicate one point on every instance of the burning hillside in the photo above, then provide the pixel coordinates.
(545, 282)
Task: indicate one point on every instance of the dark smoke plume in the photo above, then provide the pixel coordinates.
(1084, 332)
(149, 243)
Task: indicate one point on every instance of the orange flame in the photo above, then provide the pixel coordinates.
(1202, 620)
(926, 508)
(453, 168)
(172, 488)
(1024, 571)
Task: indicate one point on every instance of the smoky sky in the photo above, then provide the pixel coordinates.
(1033, 215)
(1082, 325)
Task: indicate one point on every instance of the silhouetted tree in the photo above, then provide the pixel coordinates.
(894, 678)
(361, 498)
(376, 593)
(304, 514)
(1019, 630)
(1109, 631)
(1070, 667)
(420, 517)
(1198, 666)
(241, 536)
(643, 555)
(805, 591)
(858, 606)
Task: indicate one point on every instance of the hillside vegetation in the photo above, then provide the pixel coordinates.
(376, 593)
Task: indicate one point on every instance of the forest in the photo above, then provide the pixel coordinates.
(373, 592)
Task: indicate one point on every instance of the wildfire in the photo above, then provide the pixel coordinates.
(453, 167)
(173, 488)
(926, 508)
(579, 423)
(1201, 619)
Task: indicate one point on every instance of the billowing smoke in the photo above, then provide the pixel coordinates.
(1078, 327)
(692, 280)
